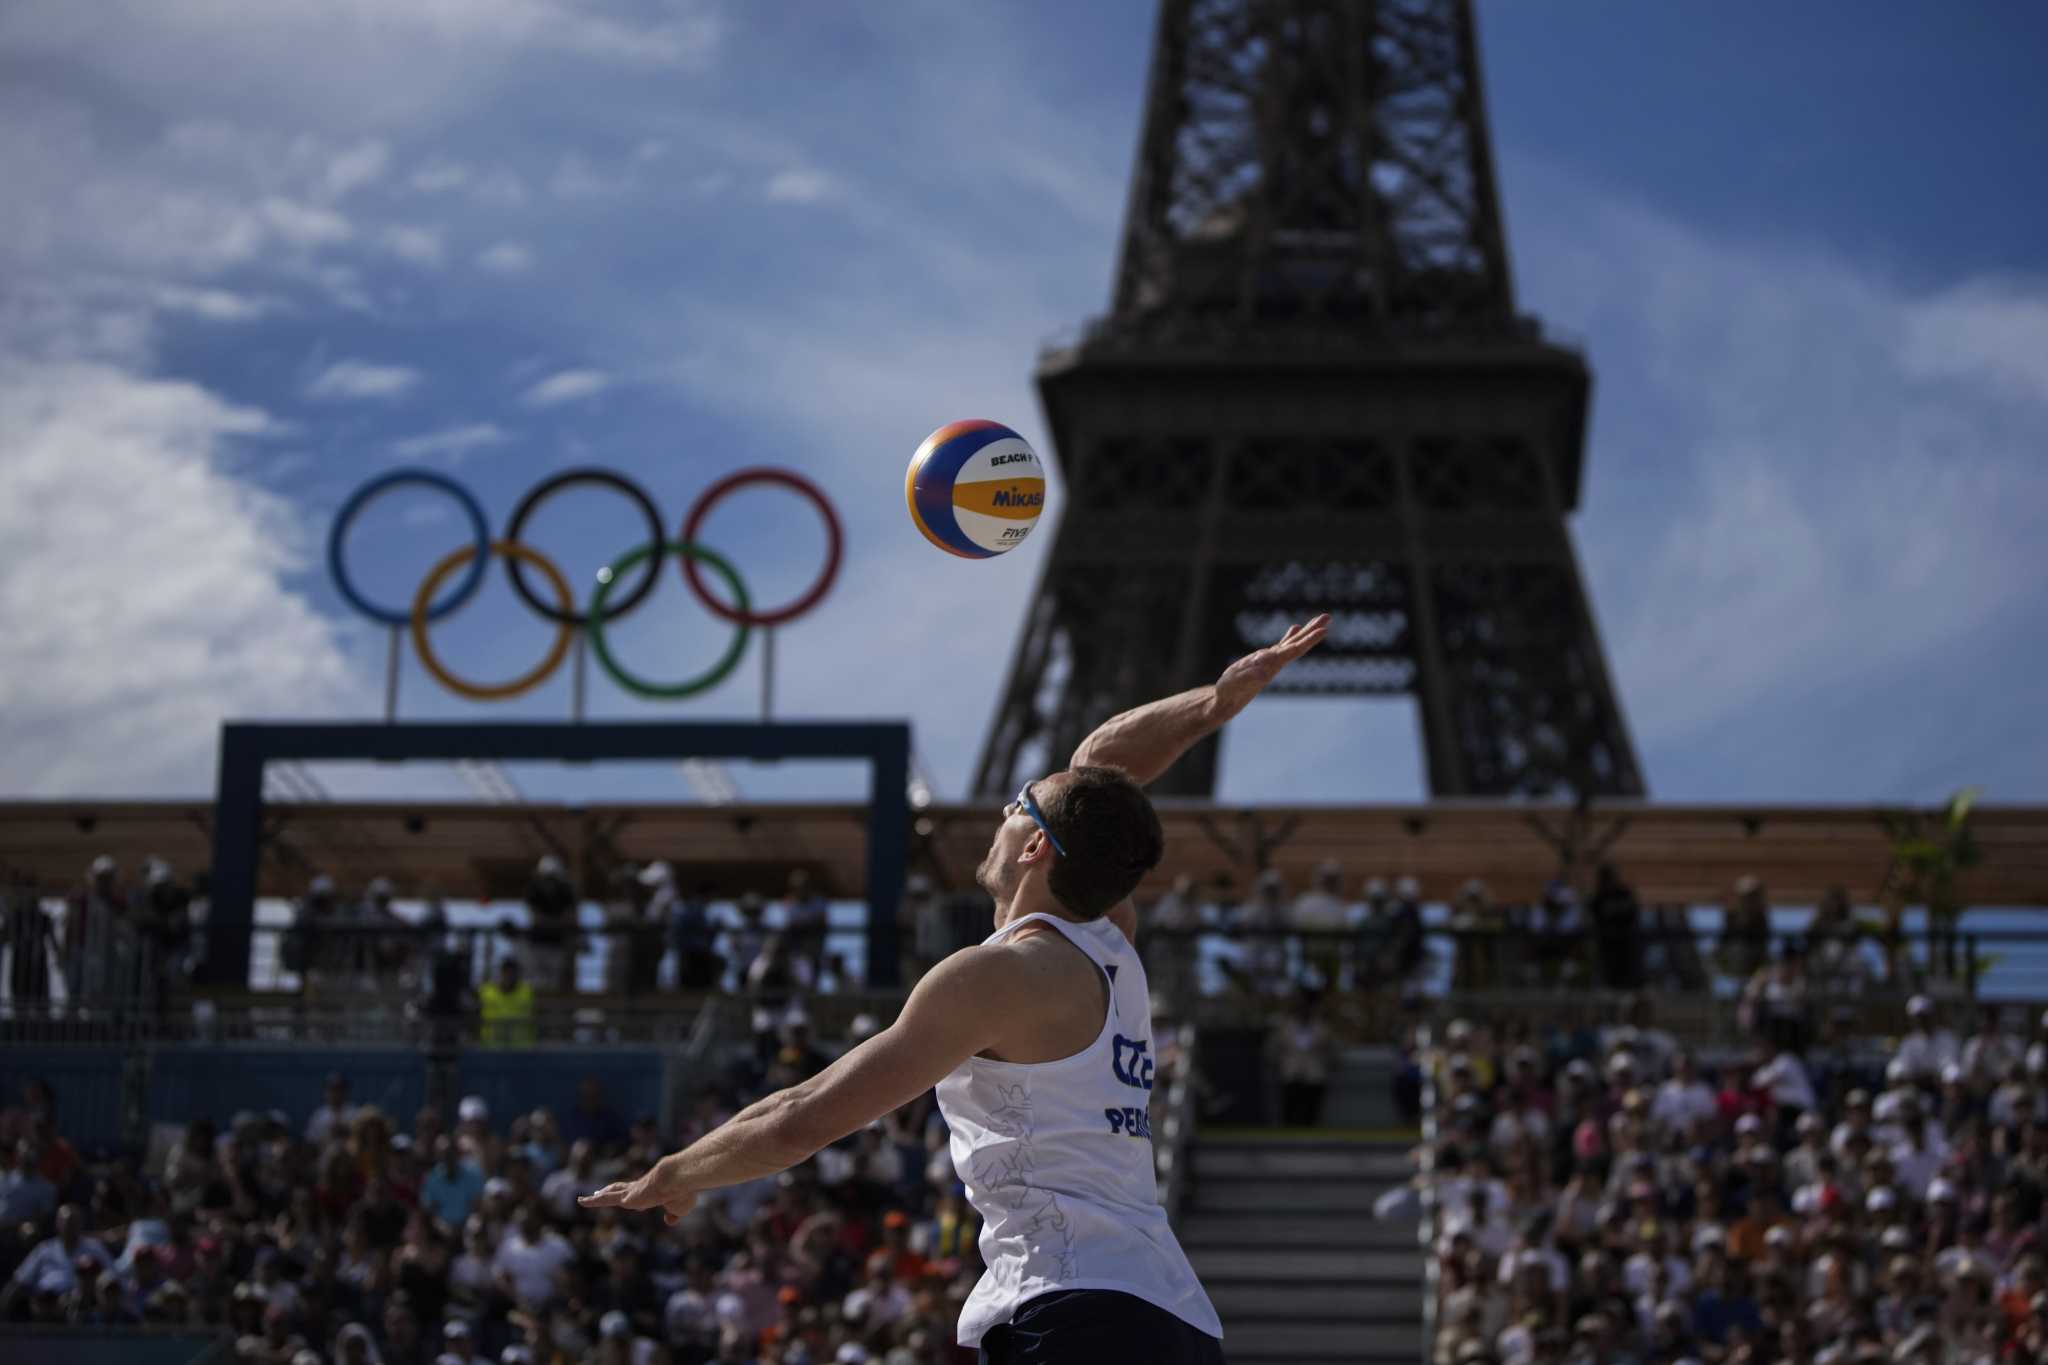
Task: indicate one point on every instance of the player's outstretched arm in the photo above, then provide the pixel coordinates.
(1146, 740)
(957, 1009)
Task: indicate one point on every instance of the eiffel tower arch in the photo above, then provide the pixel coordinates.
(1313, 392)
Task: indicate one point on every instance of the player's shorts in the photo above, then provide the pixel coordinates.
(1096, 1327)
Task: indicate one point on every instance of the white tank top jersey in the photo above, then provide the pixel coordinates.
(1057, 1160)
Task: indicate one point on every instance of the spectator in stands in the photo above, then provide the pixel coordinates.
(747, 939)
(930, 924)
(28, 936)
(1559, 938)
(1617, 929)
(1927, 1046)
(1775, 1000)
(804, 921)
(1321, 909)
(1475, 920)
(1261, 923)
(1990, 1054)
(1302, 1051)
(1170, 946)
(99, 940)
(506, 1007)
(692, 938)
(551, 926)
(52, 1267)
(26, 1195)
(1746, 929)
(335, 1113)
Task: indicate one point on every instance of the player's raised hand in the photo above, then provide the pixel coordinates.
(657, 1189)
(1248, 677)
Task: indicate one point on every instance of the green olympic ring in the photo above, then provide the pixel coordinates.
(689, 687)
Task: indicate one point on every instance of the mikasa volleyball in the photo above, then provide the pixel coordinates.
(975, 489)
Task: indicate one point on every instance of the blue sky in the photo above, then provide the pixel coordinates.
(254, 253)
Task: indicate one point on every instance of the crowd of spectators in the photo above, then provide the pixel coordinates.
(1607, 1198)
(349, 1235)
(1275, 942)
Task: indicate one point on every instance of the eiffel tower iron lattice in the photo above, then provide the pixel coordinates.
(1313, 393)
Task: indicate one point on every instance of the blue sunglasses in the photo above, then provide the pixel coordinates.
(1030, 808)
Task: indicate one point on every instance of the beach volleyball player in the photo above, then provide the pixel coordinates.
(1040, 1043)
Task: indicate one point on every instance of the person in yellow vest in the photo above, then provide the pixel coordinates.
(506, 1007)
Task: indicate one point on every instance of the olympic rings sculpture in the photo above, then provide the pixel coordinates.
(430, 604)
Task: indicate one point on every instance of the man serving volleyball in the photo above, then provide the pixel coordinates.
(1039, 1041)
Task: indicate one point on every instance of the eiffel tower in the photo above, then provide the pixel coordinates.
(1313, 393)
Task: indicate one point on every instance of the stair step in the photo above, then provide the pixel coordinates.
(1283, 1196)
(1250, 1300)
(1200, 1227)
(1334, 1338)
(1322, 1161)
(1338, 1264)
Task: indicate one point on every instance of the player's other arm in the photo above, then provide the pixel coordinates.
(1146, 740)
(957, 1009)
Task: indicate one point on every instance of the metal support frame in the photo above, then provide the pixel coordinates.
(246, 747)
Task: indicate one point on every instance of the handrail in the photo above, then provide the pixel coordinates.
(1426, 1233)
(1179, 1125)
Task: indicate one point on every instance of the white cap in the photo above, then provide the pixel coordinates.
(322, 885)
(1919, 1004)
(852, 1353)
(862, 1026)
(103, 864)
(379, 886)
(548, 866)
(1749, 1123)
(1459, 1028)
(473, 1110)
(1941, 1191)
(1896, 1236)
(1377, 886)
(615, 1324)
(496, 1186)
(1621, 1061)
(155, 871)
(1880, 1199)
(1408, 888)
(1778, 1236)
(657, 874)
(1951, 1073)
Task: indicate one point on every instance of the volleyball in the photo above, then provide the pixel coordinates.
(975, 489)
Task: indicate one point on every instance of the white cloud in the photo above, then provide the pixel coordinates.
(414, 245)
(797, 187)
(351, 379)
(178, 619)
(439, 176)
(506, 258)
(451, 443)
(567, 386)
(1996, 331)
(213, 305)
(351, 168)
(1806, 482)
(305, 225)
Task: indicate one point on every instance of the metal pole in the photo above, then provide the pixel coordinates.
(767, 674)
(391, 677)
(578, 691)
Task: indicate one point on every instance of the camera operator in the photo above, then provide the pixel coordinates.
(551, 927)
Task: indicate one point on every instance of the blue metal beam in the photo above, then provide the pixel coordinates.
(245, 747)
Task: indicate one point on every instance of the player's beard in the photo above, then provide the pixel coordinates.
(990, 875)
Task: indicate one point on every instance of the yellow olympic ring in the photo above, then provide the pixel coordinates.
(564, 631)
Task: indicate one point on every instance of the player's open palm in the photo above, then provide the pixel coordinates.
(658, 1189)
(1248, 677)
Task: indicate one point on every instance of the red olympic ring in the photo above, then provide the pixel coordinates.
(788, 479)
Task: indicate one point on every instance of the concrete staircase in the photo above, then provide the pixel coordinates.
(1281, 1231)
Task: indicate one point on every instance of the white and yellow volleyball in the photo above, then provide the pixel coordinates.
(975, 489)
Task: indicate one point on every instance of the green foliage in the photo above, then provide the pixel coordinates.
(1929, 849)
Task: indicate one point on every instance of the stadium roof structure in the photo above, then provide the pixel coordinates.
(1669, 853)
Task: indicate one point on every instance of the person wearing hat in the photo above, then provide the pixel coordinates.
(551, 926)
(1039, 1044)
(1927, 1047)
(458, 1343)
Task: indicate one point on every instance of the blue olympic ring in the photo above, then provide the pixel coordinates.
(472, 576)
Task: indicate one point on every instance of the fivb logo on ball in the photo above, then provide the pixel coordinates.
(975, 489)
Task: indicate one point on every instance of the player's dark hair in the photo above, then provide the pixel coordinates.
(1111, 834)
